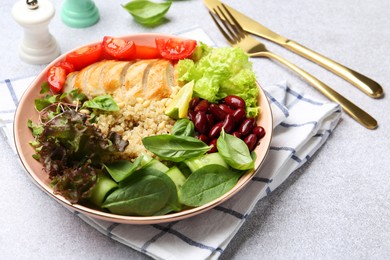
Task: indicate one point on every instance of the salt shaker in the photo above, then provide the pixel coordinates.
(79, 13)
(38, 46)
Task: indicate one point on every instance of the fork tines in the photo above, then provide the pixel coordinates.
(233, 31)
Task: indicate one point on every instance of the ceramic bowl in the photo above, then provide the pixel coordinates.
(23, 136)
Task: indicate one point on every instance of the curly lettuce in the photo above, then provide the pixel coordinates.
(72, 151)
(220, 72)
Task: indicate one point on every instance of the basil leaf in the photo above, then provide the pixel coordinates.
(175, 148)
(120, 170)
(45, 87)
(105, 103)
(148, 192)
(146, 12)
(235, 152)
(183, 127)
(207, 184)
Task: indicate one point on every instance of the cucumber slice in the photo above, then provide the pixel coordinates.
(176, 176)
(210, 158)
(103, 187)
(148, 161)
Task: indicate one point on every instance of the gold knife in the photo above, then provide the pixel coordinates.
(367, 85)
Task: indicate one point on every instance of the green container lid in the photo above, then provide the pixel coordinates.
(79, 13)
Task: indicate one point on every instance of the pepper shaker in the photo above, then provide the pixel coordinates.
(38, 46)
(79, 13)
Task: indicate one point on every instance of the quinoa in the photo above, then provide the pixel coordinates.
(137, 118)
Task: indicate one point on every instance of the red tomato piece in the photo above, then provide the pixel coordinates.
(175, 49)
(56, 76)
(69, 67)
(119, 49)
(146, 52)
(84, 56)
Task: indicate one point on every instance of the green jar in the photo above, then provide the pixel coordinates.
(79, 13)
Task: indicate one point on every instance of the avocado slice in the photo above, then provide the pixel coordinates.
(178, 107)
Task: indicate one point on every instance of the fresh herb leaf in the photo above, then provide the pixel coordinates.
(44, 88)
(175, 148)
(104, 102)
(92, 118)
(42, 103)
(120, 170)
(183, 127)
(34, 143)
(234, 151)
(75, 94)
(147, 13)
(63, 95)
(207, 184)
(36, 129)
(147, 192)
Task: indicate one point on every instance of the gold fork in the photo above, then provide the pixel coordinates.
(236, 36)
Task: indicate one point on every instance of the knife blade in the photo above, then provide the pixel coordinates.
(365, 84)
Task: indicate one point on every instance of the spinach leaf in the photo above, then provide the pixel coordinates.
(235, 152)
(146, 12)
(104, 102)
(175, 148)
(183, 127)
(207, 184)
(148, 192)
(120, 170)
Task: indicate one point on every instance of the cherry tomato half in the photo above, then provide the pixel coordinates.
(56, 77)
(146, 52)
(84, 56)
(69, 67)
(175, 49)
(119, 49)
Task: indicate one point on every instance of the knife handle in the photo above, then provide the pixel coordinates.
(367, 85)
(350, 108)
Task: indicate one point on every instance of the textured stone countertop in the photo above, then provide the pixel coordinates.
(336, 206)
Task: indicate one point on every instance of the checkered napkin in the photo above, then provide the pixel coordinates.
(302, 124)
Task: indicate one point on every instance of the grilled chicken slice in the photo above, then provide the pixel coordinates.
(147, 79)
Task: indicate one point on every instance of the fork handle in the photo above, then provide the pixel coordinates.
(367, 85)
(350, 108)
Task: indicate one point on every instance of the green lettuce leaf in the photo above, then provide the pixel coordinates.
(219, 72)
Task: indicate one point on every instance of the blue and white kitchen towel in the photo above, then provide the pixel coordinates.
(301, 125)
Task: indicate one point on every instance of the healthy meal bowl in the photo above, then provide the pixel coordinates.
(145, 128)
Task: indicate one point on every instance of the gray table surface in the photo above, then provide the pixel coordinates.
(335, 206)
